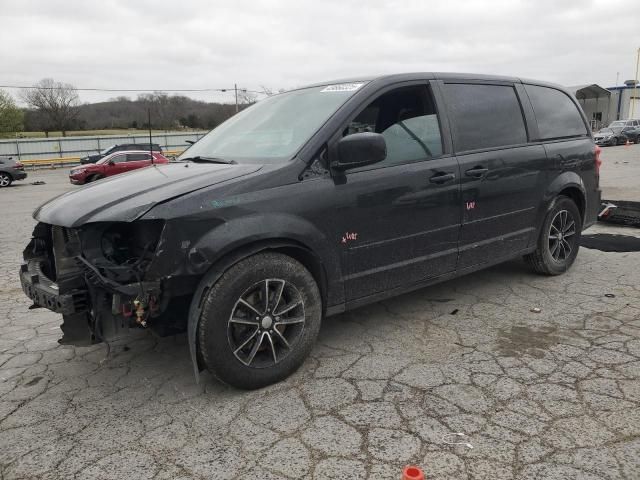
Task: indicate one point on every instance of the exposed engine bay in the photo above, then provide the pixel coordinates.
(100, 278)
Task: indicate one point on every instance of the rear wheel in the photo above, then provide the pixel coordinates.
(259, 321)
(5, 179)
(559, 238)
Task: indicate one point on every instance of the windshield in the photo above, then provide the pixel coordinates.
(617, 124)
(611, 130)
(106, 150)
(275, 128)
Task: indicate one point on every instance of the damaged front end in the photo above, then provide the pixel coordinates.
(98, 277)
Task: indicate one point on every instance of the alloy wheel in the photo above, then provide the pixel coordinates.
(5, 180)
(266, 322)
(562, 233)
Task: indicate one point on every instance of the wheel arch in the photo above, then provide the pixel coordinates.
(294, 248)
(569, 184)
(579, 198)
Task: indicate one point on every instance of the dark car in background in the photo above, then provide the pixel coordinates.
(146, 147)
(10, 170)
(618, 133)
(317, 201)
(113, 164)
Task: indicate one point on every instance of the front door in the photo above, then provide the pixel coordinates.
(399, 219)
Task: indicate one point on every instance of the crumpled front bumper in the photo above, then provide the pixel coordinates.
(44, 292)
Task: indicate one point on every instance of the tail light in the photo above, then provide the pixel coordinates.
(19, 166)
(597, 152)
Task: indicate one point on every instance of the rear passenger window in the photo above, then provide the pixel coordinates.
(407, 119)
(557, 115)
(485, 116)
(136, 157)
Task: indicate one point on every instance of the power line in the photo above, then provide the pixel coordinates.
(192, 90)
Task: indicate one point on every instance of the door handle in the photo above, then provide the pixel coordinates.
(442, 177)
(476, 172)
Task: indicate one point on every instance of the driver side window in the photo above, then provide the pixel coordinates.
(407, 119)
(119, 158)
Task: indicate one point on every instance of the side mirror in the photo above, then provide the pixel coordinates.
(111, 162)
(360, 149)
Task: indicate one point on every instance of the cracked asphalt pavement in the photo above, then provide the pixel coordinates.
(553, 394)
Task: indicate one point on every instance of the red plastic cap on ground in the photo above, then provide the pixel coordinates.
(412, 473)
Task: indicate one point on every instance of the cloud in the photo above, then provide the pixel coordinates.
(283, 44)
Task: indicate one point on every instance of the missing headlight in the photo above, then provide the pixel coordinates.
(130, 243)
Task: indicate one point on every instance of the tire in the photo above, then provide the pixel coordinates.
(243, 340)
(5, 180)
(94, 178)
(555, 256)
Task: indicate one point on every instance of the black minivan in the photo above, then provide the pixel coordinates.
(315, 201)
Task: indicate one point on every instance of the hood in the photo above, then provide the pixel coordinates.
(130, 195)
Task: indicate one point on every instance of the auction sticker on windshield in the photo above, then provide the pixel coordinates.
(342, 87)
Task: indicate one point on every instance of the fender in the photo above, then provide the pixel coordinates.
(561, 182)
(234, 234)
(224, 246)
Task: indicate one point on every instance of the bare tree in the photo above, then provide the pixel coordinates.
(57, 101)
(165, 109)
(11, 117)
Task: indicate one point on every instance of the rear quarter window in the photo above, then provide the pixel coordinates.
(557, 115)
(485, 116)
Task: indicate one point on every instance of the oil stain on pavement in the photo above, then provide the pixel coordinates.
(519, 340)
(606, 242)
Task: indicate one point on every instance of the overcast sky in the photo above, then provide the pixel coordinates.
(162, 45)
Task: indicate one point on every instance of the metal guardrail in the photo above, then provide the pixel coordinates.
(24, 149)
(71, 161)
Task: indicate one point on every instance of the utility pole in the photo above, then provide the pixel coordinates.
(235, 87)
(150, 145)
(635, 87)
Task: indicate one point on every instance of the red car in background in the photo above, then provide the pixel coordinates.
(118, 162)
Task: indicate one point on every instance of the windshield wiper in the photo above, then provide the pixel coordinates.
(201, 159)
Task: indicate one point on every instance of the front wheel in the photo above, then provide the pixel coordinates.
(559, 238)
(259, 321)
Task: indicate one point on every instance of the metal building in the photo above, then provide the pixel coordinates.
(605, 105)
(597, 104)
(626, 101)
